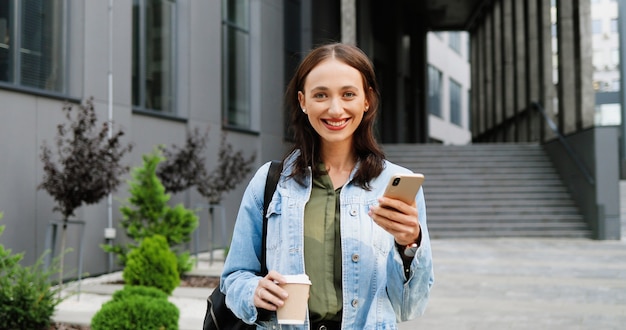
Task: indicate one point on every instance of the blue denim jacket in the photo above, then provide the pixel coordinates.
(376, 294)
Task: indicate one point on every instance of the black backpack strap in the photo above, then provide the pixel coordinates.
(270, 187)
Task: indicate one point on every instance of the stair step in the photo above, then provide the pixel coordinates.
(505, 233)
(509, 226)
(455, 195)
(524, 209)
(437, 217)
(493, 189)
(445, 202)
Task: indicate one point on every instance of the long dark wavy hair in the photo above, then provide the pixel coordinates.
(306, 139)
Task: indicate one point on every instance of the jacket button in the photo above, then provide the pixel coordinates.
(355, 257)
(355, 302)
(353, 212)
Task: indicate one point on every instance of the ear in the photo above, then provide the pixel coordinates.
(367, 99)
(301, 100)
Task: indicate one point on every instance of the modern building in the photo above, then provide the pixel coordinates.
(449, 88)
(161, 67)
(606, 55)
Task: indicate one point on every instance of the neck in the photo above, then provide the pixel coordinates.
(338, 158)
(339, 163)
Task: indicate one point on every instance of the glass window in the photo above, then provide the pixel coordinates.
(615, 57)
(614, 25)
(454, 40)
(596, 26)
(153, 55)
(455, 102)
(468, 41)
(615, 85)
(236, 63)
(469, 109)
(32, 44)
(598, 59)
(434, 91)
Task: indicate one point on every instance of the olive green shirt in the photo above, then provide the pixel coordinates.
(322, 250)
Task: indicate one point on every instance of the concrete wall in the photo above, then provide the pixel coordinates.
(598, 200)
(622, 194)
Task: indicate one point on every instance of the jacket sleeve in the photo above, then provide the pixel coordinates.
(410, 296)
(239, 278)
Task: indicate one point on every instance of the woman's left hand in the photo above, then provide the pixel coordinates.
(397, 218)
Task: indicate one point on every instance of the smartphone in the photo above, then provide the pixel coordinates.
(404, 186)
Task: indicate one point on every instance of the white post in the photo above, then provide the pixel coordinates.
(110, 132)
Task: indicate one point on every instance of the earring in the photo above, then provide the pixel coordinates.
(367, 108)
(304, 110)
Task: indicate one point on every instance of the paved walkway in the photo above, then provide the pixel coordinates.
(527, 284)
(191, 302)
(508, 283)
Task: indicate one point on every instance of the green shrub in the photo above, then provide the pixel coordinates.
(147, 213)
(152, 264)
(136, 312)
(27, 298)
(138, 290)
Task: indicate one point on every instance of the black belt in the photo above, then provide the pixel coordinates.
(326, 325)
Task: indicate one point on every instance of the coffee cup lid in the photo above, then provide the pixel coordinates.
(299, 278)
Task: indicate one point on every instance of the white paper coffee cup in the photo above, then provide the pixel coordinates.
(295, 307)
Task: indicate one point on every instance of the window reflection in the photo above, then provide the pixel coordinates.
(153, 55)
(236, 59)
(31, 51)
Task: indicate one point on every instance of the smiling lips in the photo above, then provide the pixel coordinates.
(335, 124)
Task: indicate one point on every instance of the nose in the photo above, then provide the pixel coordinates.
(336, 108)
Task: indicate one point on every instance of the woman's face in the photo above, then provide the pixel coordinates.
(334, 101)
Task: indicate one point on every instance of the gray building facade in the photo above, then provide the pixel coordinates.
(163, 67)
(168, 61)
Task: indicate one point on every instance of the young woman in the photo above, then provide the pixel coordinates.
(368, 257)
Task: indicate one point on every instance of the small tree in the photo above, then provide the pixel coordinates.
(87, 167)
(231, 169)
(185, 167)
(137, 308)
(27, 298)
(152, 264)
(147, 213)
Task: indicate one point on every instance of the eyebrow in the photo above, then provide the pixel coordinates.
(324, 88)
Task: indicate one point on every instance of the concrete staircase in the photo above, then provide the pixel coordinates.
(491, 190)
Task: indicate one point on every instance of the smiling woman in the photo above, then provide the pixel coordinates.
(328, 218)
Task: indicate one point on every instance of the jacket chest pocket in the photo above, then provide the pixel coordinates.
(380, 239)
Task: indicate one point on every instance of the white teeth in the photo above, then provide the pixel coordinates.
(336, 123)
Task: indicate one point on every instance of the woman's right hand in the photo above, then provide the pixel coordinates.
(268, 294)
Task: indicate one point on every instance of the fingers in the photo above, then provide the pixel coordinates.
(393, 210)
(397, 205)
(268, 294)
(397, 218)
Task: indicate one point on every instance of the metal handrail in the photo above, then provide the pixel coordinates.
(563, 141)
